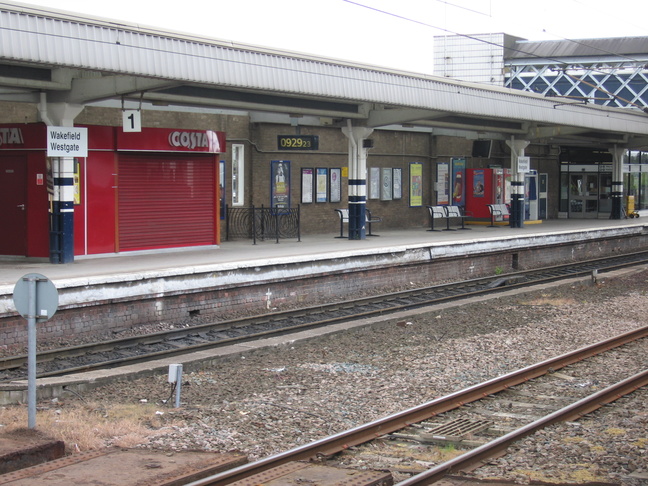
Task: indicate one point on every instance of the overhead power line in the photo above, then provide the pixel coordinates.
(477, 39)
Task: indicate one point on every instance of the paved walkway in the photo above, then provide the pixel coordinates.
(311, 245)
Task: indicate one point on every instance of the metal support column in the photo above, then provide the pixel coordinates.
(357, 179)
(516, 219)
(61, 113)
(617, 182)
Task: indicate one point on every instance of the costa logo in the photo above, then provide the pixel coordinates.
(192, 140)
(11, 136)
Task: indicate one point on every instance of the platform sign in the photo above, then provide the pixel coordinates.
(36, 299)
(132, 120)
(524, 164)
(67, 142)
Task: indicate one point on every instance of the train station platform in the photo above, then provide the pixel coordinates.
(119, 291)
(242, 252)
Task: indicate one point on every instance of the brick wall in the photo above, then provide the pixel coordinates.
(225, 302)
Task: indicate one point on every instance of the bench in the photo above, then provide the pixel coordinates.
(457, 212)
(344, 219)
(447, 213)
(498, 212)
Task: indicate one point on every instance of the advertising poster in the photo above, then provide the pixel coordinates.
(458, 182)
(478, 183)
(77, 181)
(416, 184)
(280, 180)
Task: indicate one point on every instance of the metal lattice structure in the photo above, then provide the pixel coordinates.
(621, 84)
(607, 71)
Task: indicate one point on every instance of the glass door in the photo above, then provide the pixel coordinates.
(583, 195)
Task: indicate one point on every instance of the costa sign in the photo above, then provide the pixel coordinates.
(11, 136)
(172, 140)
(192, 140)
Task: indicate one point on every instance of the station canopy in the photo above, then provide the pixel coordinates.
(56, 57)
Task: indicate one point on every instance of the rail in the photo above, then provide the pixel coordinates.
(262, 223)
(209, 335)
(358, 435)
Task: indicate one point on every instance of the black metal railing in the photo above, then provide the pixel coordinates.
(262, 223)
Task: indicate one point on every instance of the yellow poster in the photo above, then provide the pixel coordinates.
(77, 182)
(416, 184)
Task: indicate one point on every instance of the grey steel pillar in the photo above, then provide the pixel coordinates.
(516, 218)
(617, 182)
(357, 179)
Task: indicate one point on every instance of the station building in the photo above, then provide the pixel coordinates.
(606, 72)
(176, 141)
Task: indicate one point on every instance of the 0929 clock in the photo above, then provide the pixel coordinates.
(297, 142)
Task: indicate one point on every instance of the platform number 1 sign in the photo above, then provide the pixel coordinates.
(132, 120)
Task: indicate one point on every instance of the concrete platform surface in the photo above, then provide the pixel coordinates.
(231, 254)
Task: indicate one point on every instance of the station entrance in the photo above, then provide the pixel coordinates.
(586, 187)
(588, 194)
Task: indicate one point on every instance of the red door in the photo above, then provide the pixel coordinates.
(13, 205)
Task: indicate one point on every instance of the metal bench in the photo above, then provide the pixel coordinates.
(436, 212)
(456, 212)
(498, 212)
(447, 213)
(369, 219)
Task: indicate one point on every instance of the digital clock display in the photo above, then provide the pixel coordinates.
(298, 142)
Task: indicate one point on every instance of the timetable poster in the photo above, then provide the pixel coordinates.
(322, 185)
(443, 183)
(307, 186)
(335, 176)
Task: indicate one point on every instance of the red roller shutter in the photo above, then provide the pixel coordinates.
(166, 201)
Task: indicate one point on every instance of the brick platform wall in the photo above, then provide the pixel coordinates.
(109, 318)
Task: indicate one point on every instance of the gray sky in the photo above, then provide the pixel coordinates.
(391, 33)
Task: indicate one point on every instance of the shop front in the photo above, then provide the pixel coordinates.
(146, 190)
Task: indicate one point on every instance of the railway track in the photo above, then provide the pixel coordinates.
(180, 341)
(455, 415)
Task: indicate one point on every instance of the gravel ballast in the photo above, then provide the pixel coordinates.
(278, 398)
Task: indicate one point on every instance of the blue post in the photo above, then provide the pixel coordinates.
(357, 229)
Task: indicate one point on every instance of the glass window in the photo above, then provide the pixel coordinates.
(642, 203)
(238, 175)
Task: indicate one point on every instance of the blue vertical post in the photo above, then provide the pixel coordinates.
(62, 220)
(357, 207)
(517, 204)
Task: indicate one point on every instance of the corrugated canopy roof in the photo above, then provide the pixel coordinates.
(84, 60)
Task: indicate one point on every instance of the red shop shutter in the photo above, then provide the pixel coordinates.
(166, 201)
